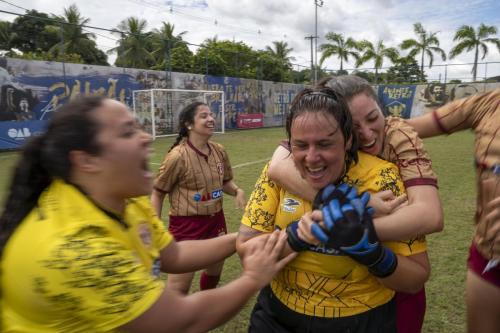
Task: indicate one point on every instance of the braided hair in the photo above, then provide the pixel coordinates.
(46, 157)
(186, 118)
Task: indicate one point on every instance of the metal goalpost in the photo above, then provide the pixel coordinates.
(157, 110)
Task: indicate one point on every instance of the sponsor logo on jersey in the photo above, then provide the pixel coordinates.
(145, 234)
(214, 195)
(321, 248)
(290, 205)
(220, 167)
(156, 269)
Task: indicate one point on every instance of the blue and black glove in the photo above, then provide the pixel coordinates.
(350, 230)
(293, 239)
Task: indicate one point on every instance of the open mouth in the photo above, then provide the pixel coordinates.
(145, 166)
(369, 145)
(316, 173)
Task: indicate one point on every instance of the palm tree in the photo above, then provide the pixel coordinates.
(6, 35)
(281, 51)
(427, 43)
(341, 47)
(74, 40)
(377, 54)
(468, 39)
(134, 46)
(165, 44)
(163, 40)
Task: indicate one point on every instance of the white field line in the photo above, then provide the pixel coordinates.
(237, 165)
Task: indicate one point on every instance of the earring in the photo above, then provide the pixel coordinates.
(189, 128)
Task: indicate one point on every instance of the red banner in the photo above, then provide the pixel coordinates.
(253, 120)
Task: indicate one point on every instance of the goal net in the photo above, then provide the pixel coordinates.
(157, 110)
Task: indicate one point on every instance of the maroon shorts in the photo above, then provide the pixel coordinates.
(197, 226)
(477, 263)
(410, 311)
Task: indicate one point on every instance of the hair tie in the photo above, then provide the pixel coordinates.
(320, 93)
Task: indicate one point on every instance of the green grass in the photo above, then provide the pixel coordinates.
(452, 160)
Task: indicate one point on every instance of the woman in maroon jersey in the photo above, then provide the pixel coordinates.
(195, 173)
(481, 113)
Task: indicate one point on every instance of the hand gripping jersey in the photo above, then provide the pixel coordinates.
(72, 267)
(321, 282)
(194, 180)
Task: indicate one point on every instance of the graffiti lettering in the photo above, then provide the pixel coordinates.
(397, 93)
(61, 91)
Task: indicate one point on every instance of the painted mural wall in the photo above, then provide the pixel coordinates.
(415, 100)
(30, 91)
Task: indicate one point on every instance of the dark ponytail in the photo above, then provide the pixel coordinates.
(46, 157)
(186, 117)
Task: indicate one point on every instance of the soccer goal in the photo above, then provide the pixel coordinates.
(157, 110)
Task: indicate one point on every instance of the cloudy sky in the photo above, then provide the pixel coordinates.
(260, 22)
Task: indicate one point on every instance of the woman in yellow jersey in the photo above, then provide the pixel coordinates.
(395, 141)
(195, 173)
(328, 287)
(82, 249)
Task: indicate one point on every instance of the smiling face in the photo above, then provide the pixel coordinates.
(204, 122)
(125, 149)
(318, 148)
(368, 122)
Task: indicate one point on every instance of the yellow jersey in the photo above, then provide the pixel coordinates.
(70, 266)
(322, 282)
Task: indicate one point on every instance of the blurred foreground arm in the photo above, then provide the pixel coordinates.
(174, 312)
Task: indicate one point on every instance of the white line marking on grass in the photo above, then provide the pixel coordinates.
(237, 165)
(250, 163)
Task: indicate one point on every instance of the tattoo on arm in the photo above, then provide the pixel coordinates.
(248, 232)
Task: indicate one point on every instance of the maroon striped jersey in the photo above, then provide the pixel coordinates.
(403, 147)
(194, 180)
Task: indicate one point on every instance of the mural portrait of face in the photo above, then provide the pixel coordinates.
(435, 94)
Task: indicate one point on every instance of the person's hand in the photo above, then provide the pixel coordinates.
(261, 259)
(305, 226)
(348, 228)
(341, 194)
(300, 236)
(240, 199)
(385, 202)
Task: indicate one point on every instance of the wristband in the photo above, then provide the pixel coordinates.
(293, 239)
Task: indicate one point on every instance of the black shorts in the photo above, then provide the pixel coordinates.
(269, 315)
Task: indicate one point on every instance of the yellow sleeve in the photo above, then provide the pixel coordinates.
(160, 235)
(92, 276)
(263, 204)
(374, 175)
(408, 247)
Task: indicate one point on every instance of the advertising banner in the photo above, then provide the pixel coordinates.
(253, 120)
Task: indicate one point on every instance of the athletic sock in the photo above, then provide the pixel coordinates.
(208, 281)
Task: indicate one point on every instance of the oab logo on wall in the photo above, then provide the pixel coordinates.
(19, 133)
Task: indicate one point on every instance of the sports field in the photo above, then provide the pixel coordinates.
(452, 159)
